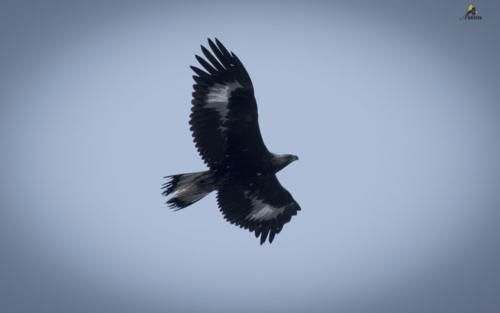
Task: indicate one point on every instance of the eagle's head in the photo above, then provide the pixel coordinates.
(280, 161)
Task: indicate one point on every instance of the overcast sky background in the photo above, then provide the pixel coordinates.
(392, 106)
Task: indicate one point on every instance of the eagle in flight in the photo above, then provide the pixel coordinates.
(225, 129)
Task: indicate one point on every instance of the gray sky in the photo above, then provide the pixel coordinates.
(392, 107)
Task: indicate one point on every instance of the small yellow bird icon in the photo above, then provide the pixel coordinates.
(471, 11)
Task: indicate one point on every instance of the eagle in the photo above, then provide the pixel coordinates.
(225, 129)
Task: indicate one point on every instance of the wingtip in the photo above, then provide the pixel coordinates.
(271, 236)
(257, 233)
(264, 236)
(221, 47)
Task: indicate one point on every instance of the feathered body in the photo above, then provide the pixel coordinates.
(225, 129)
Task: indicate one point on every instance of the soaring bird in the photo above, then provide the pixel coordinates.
(225, 129)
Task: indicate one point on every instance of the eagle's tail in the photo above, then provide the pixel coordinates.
(188, 188)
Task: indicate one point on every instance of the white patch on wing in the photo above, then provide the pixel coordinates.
(218, 98)
(263, 211)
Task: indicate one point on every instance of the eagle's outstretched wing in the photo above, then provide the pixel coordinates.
(224, 119)
(260, 205)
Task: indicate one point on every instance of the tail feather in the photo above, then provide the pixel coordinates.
(168, 186)
(187, 189)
